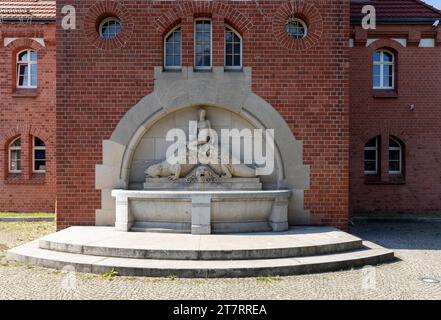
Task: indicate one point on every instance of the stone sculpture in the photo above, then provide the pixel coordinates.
(201, 139)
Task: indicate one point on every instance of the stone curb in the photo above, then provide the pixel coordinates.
(18, 219)
(396, 220)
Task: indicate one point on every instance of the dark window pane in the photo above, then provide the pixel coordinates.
(40, 155)
(40, 165)
(207, 26)
(207, 49)
(199, 25)
(229, 48)
(394, 166)
(370, 166)
(207, 61)
(394, 155)
(21, 81)
(229, 60)
(206, 37)
(237, 60)
(393, 143)
(372, 143)
(38, 142)
(198, 37)
(370, 155)
(198, 49)
(237, 48)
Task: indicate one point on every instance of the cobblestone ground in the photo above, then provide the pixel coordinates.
(417, 245)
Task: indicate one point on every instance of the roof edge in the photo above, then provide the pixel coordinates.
(400, 20)
(28, 20)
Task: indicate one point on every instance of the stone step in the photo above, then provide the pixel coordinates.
(371, 254)
(297, 242)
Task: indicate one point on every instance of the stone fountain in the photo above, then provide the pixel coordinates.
(202, 198)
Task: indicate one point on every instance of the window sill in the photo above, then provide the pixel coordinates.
(391, 180)
(384, 94)
(233, 69)
(25, 93)
(171, 70)
(202, 69)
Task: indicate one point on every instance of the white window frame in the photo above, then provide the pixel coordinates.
(367, 172)
(165, 50)
(400, 149)
(10, 149)
(33, 155)
(383, 63)
(100, 28)
(225, 49)
(211, 45)
(29, 63)
(303, 23)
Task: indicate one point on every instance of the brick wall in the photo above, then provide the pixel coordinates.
(27, 113)
(307, 83)
(418, 83)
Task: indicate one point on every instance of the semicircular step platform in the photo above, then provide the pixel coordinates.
(299, 250)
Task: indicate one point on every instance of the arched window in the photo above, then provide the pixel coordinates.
(39, 155)
(384, 69)
(173, 49)
(15, 156)
(371, 156)
(27, 69)
(202, 44)
(395, 156)
(233, 49)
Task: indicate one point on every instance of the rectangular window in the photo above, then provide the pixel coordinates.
(394, 161)
(39, 156)
(15, 161)
(203, 44)
(370, 161)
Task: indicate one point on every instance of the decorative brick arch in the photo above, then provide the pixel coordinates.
(25, 43)
(25, 130)
(386, 44)
(304, 10)
(104, 9)
(191, 8)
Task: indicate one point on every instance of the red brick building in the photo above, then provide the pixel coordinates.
(401, 171)
(362, 106)
(27, 106)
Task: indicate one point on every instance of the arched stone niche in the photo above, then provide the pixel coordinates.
(229, 101)
(152, 146)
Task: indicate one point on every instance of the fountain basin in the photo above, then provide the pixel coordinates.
(202, 212)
